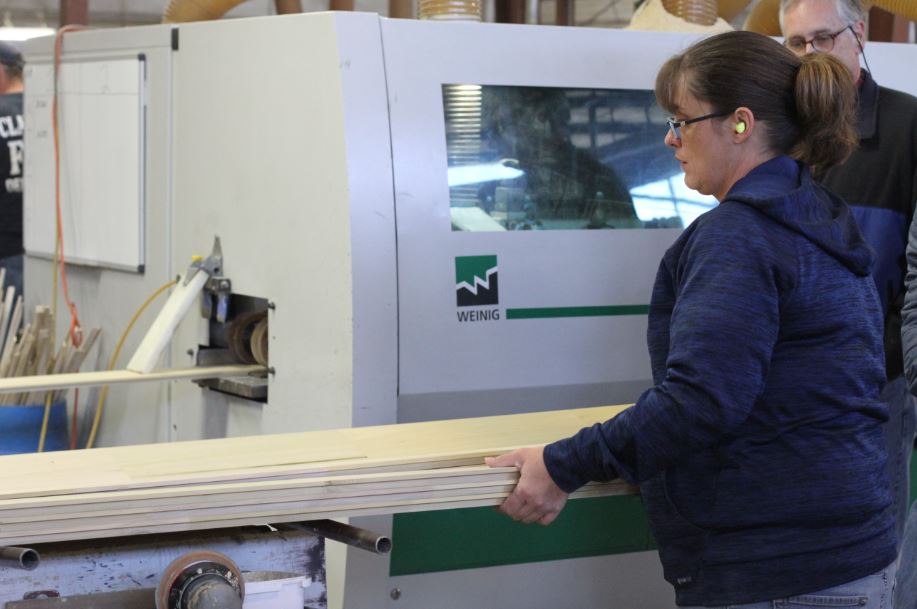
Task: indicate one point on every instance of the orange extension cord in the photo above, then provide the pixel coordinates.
(75, 332)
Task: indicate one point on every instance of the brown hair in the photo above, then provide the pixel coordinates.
(807, 105)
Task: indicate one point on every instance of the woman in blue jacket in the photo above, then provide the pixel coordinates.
(759, 451)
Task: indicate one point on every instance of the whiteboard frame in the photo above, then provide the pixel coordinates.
(136, 263)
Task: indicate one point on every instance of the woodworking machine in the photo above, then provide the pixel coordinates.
(162, 571)
(418, 220)
(203, 570)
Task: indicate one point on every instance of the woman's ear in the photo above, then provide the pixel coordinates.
(743, 124)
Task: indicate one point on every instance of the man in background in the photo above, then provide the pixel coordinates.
(11, 164)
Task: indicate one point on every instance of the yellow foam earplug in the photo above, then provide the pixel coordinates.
(740, 127)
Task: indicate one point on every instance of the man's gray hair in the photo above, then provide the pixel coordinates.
(850, 11)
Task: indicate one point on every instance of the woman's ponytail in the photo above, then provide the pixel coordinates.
(826, 110)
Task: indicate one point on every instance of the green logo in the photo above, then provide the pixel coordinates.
(476, 281)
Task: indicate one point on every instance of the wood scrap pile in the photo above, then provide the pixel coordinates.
(230, 482)
(31, 352)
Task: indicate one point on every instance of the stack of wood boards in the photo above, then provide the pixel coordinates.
(207, 484)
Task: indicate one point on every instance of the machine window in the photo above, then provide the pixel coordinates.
(545, 158)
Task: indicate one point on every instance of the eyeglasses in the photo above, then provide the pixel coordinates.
(676, 125)
(823, 43)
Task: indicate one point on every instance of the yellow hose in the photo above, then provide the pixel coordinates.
(44, 422)
(103, 394)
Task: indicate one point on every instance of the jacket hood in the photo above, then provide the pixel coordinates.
(784, 190)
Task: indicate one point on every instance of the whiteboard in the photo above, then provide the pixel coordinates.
(102, 149)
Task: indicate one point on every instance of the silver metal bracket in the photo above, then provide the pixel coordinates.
(218, 288)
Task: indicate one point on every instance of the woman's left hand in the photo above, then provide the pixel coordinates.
(536, 498)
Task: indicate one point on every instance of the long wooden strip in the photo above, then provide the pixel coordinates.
(329, 499)
(138, 501)
(273, 512)
(301, 489)
(48, 516)
(417, 445)
(256, 510)
(314, 468)
(44, 382)
(140, 529)
(450, 475)
(207, 484)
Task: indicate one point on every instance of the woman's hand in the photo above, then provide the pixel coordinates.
(536, 498)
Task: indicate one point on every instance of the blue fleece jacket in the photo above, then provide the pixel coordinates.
(759, 451)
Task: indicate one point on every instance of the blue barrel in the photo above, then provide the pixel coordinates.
(20, 427)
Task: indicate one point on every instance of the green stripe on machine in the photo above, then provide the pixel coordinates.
(604, 311)
(472, 538)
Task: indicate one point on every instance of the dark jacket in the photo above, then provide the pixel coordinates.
(759, 451)
(11, 165)
(879, 182)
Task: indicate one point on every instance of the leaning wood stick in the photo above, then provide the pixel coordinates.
(38, 361)
(6, 306)
(25, 353)
(75, 358)
(16, 360)
(10, 338)
(80, 353)
(9, 303)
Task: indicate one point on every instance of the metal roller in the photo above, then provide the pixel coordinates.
(241, 337)
(201, 580)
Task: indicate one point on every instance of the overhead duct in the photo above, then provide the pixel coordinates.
(183, 11)
(701, 12)
(699, 16)
(730, 9)
(765, 17)
(466, 10)
(288, 7)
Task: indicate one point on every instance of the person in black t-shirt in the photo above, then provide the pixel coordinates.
(11, 165)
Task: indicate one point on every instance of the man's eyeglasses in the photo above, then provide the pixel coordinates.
(823, 43)
(676, 125)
